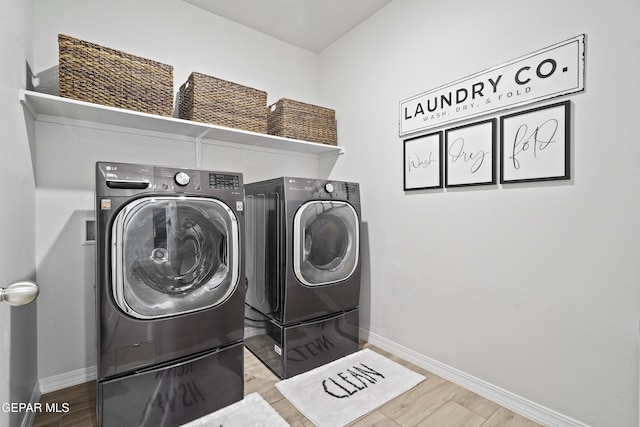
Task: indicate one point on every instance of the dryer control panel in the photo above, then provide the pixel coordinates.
(321, 188)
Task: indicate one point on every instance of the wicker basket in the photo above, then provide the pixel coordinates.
(93, 73)
(294, 119)
(211, 100)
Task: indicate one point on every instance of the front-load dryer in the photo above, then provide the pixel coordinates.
(303, 272)
(170, 293)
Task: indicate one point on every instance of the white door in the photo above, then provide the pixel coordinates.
(5, 357)
(18, 358)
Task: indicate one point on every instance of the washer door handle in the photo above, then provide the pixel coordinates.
(128, 184)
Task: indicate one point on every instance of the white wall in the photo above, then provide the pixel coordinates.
(534, 288)
(18, 364)
(168, 31)
(181, 35)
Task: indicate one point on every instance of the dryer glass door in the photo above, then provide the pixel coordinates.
(173, 255)
(326, 242)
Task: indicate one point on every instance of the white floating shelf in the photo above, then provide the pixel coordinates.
(41, 105)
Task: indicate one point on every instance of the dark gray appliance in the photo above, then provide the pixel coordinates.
(170, 293)
(303, 272)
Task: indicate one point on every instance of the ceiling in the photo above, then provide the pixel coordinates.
(309, 24)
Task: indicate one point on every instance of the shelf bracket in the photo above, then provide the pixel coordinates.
(198, 148)
(27, 105)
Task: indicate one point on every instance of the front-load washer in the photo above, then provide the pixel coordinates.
(170, 293)
(303, 272)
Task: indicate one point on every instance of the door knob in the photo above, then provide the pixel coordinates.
(19, 293)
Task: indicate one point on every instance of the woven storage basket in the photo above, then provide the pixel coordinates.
(94, 73)
(295, 119)
(211, 100)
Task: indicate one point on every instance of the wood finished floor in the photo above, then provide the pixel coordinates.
(435, 402)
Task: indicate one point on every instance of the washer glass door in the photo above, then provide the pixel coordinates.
(325, 242)
(173, 255)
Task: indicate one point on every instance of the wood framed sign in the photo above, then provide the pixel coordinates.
(534, 144)
(553, 71)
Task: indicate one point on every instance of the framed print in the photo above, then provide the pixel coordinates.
(534, 144)
(423, 162)
(470, 154)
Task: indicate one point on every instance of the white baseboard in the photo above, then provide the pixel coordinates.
(67, 379)
(29, 416)
(517, 404)
(56, 382)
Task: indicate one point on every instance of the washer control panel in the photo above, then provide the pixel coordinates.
(174, 179)
(117, 179)
(194, 180)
